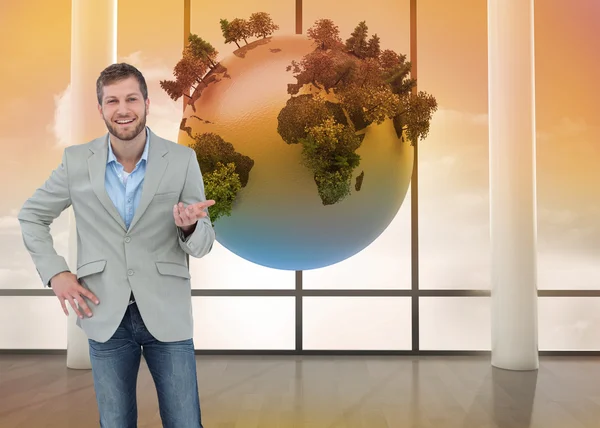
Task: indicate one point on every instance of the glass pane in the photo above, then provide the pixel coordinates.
(567, 145)
(216, 271)
(381, 234)
(32, 323)
(357, 323)
(455, 323)
(32, 133)
(245, 323)
(569, 323)
(384, 264)
(453, 160)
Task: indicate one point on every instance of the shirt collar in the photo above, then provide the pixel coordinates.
(113, 158)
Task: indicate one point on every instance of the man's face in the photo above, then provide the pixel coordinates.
(123, 108)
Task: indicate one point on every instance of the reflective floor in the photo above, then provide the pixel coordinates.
(326, 392)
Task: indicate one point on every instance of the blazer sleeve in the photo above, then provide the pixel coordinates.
(200, 241)
(36, 216)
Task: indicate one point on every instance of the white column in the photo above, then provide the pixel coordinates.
(93, 47)
(512, 184)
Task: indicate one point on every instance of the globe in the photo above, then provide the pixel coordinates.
(279, 219)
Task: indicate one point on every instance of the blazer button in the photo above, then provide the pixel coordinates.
(130, 272)
(127, 239)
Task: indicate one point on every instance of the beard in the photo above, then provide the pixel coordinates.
(126, 134)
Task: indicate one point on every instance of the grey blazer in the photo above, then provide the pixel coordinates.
(150, 259)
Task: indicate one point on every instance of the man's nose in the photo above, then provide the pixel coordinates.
(121, 107)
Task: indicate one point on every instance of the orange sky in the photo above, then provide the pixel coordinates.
(452, 65)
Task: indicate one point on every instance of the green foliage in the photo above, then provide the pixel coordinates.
(198, 57)
(357, 42)
(225, 31)
(175, 89)
(211, 150)
(224, 170)
(333, 186)
(202, 50)
(222, 185)
(373, 48)
(299, 114)
(370, 104)
(337, 112)
(260, 24)
(419, 109)
(329, 152)
(239, 29)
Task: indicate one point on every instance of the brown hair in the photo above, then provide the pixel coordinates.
(116, 72)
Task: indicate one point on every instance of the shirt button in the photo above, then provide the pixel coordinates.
(127, 239)
(130, 272)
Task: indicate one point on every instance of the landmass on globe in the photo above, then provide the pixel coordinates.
(341, 88)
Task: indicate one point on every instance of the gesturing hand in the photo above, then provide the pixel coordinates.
(66, 287)
(188, 216)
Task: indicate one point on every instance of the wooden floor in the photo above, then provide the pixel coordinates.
(37, 391)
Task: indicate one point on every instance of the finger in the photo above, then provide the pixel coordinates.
(74, 306)
(83, 305)
(87, 293)
(64, 307)
(205, 204)
(177, 216)
(185, 216)
(192, 214)
(199, 209)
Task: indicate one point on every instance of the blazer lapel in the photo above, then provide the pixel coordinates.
(155, 169)
(97, 170)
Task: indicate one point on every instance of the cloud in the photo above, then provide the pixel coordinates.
(9, 225)
(61, 126)
(456, 117)
(569, 126)
(152, 69)
(566, 128)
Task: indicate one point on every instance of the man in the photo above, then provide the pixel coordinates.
(140, 210)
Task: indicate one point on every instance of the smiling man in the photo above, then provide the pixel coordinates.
(140, 210)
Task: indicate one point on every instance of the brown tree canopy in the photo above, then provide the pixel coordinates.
(262, 24)
(325, 34)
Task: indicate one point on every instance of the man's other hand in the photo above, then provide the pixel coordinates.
(186, 217)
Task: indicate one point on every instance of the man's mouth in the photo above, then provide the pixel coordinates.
(124, 121)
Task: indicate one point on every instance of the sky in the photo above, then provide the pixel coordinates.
(454, 197)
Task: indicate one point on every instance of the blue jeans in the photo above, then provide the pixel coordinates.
(115, 366)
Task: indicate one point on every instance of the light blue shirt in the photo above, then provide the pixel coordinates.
(125, 190)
